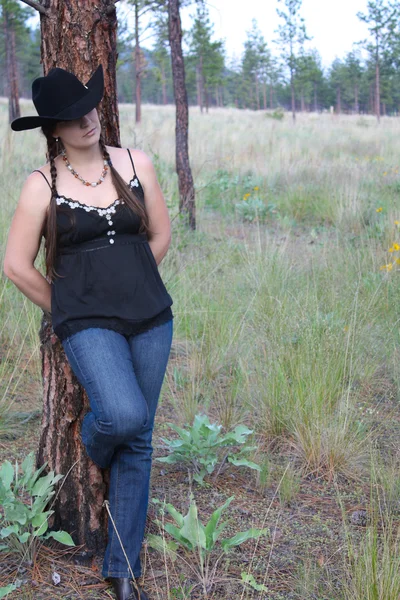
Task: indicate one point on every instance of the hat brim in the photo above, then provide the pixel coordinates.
(80, 108)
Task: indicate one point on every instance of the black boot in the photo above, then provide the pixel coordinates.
(125, 589)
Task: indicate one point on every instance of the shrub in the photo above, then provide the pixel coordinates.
(201, 445)
(23, 524)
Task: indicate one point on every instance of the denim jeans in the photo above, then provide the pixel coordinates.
(122, 376)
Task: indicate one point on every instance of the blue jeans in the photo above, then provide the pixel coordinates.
(122, 376)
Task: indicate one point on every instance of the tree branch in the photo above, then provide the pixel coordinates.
(37, 6)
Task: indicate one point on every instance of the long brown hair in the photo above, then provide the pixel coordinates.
(133, 199)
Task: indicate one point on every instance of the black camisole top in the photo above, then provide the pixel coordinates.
(109, 276)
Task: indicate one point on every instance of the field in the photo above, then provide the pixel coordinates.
(286, 320)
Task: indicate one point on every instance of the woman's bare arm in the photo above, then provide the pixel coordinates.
(24, 239)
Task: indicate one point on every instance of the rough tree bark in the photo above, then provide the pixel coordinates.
(138, 68)
(75, 36)
(11, 66)
(164, 85)
(14, 95)
(185, 178)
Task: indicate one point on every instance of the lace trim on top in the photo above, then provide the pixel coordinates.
(107, 211)
(134, 182)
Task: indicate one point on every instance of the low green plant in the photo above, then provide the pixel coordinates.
(278, 114)
(5, 591)
(24, 495)
(249, 579)
(202, 445)
(253, 209)
(198, 542)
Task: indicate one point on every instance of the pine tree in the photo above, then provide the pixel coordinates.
(382, 19)
(208, 54)
(292, 35)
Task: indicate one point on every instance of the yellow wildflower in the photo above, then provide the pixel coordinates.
(391, 250)
(385, 174)
(398, 261)
(396, 247)
(397, 222)
(246, 196)
(256, 188)
(380, 209)
(387, 267)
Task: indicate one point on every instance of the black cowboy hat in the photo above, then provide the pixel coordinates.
(60, 96)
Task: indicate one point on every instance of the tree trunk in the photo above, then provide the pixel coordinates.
(265, 94)
(293, 99)
(6, 29)
(356, 103)
(206, 97)
(257, 94)
(377, 92)
(185, 179)
(77, 37)
(199, 86)
(138, 91)
(371, 99)
(315, 97)
(338, 100)
(164, 85)
(11, 66)
(302, 107)
(270, 96)
(14, 96)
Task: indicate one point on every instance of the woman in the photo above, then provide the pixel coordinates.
(109, 306)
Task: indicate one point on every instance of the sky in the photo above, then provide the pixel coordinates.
(334, 26)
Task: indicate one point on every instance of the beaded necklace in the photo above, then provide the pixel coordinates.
(84, 181)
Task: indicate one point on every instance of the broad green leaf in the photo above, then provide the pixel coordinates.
(173, 443)
(61, 536)
(28, 464)
(30, 483)
(159, 543)
(6, 531)
(24, 537)
(242, 462)
(5, 591)
(193, 528)
(39, 505)
(42, 527)
(175, 532)
(7, 474)
(185, 435)
(39, 518)
(170, 459)
(176, 515)
(199, 477)
(249, 578)
(242, 536)
(210, 528)
(16, 512)
(44, 485)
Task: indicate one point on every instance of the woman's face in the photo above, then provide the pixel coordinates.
(73, 133)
